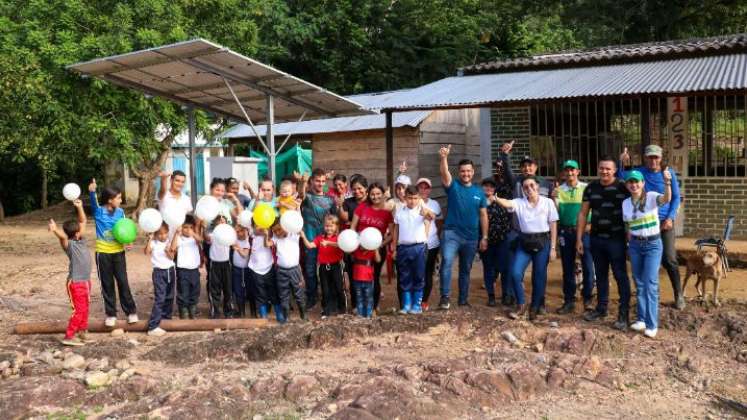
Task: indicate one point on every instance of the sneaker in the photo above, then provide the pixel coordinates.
(464, 304)
(110, 321)
(533, 314)
(542, 310)
(73, 341)
(679, 303)
(132, 318)
(567, 308)
(425, 306)
(444, 304)
(595, 315)
(84, 337)
(157, 332)
(650, 333)
(491, 301)
(638, 326)
(588, 305)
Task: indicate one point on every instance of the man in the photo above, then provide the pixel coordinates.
(652, 175)
(568, 198)
(466, 225)
(315, 205)
(604, 197)
(173, 196)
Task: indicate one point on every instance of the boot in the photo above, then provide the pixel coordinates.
(622, 320)
(214, 312)
(280, 314)
(263, 311)
(253, 308)
(302, 311)
(533, 313)
(521, 310)
(416, 302)
(595, 315)
(192, 312)
(406, 302)
(241, 307)
(183, 312)
(567, 308)
(491, 300)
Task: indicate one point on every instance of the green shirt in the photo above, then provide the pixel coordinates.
(569, 203)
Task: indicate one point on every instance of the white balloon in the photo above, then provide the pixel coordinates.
(224, 235)
(291, 221)
(150, 220)
(174, 215)
(348, 240)
(245, 218)
(370, 238)
(207, 208)
(71, 191)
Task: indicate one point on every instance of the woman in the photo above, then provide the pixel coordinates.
(340, 188)
(537, 218)
(641, 216)
(498, 252)
(358, 185)
(374, 213)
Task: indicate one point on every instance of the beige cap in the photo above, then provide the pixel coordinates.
(424, 180)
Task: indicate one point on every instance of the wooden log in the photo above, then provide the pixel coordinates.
(58, 327)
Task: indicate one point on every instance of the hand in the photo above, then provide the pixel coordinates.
(164, 174)
(92, 185)
(305, 177)
(444, 151)
(246, 185)
(483, 245)
(394, 255)
(403, 167)
(178, 231)
(666, 174)
(506, 147)
(324, 242)
(553, 254)
(52, 225)
(625, 157)
(231, 196)
(296, 176)
(150, 236)
(667, 224)
(554, 193)
(579, 248)
(77, 203)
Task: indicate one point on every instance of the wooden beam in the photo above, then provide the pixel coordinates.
(389, 133)
(59, 327)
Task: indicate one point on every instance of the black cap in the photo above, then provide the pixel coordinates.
(528, 159)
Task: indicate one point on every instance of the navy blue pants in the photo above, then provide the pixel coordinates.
(240, 284)
(309, 269)
(290, 283)
(187, 287)
(267, 292)
(411, 267)
(219, 284)
(163, 296)
(496, 260)
(567, 241)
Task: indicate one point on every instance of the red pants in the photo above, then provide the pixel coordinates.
(79, 293)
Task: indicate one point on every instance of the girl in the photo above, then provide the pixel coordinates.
(363, 276)
(329, 266)
(358, 185)
(164, 278)
(263, 275)
(110, 255)
(641, 216)
(219, 280)
(499, 224)
(239, 270)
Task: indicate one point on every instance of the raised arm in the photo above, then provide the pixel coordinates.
(237, 207)
(444, 166)
(174, 244)
(624, 161)
(504, 155)
(506, 204)
(82, 220)
(248, 188)
(676, 198)
(58, 233)
(148, 245)
(668, 193)
(92, 194)
(163, 187)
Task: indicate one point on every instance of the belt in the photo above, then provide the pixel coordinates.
(413, 244)
(573, 228)
(363, 262)
(646, 238)
(536, 235)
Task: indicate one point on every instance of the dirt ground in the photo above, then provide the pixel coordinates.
(465, 363)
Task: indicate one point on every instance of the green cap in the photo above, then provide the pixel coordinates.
(634, 176)
(570, 164)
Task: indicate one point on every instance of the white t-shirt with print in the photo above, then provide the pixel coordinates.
(287, 250)
(535, 219)
(260, 261)
(158, 256)
(410, 226)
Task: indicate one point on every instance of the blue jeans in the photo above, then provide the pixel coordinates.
(495, 260)
(568, 258)
(240, 283)
(309, 271)
(645, 259)
(610, 253)
(364, 299)
(411, 267)
(539, 261)
(451, 245)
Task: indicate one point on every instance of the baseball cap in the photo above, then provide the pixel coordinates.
(652, 150)
(570, 163)
(528, 159)
(404, 180)
(424, 180)
(634, 176)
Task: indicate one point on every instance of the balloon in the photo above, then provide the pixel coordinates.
(124, 231)
(71, 191)
(174, 215)
(348, 240)
(150, 220)
(291, 221)
(207, 208)
(370, 238)
(245, 218)
(224, 235)
(264, 215)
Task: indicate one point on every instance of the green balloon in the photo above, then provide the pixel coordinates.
(125, 231)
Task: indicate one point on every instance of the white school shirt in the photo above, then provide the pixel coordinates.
(642, 223)
(433, 241)
(188, 253)
(158, 256)
(218, 252)
(260, 260)
(238, 260)
(287, 250)
(411, 226)
(169, 200)
(534, 219)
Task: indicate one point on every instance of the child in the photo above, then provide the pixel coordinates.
(78, 275)
(186, 246)
(288, 278)
(260, 264)
(164, 277)
(363, 276)
(287, 200)
(410, 235)
(219, 282)
(239, 272)
(329, 266)
(266, 194)
(110, 255)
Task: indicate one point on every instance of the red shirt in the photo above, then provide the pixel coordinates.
(328, 254)
(363, 265)
(371, 217)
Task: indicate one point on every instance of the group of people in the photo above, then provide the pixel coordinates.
(512, 220)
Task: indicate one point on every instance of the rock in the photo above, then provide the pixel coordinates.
(47, 357)
(141, 371)
(217, 330)
(332, 408)
(6, 373)
(130, 372)
(113, 373)
(4, 365)
(133, 342)
(73, 361)
(509, 336)
(76, 374)
(18, 361)
(537, 347)
(491, 382)
(554, 324)
(98, 364)
(258, 417)
(97, 379)
(124, 376)
(300, 387)
(555, 378)
(118, 332)
(57, 353)
(122, 365)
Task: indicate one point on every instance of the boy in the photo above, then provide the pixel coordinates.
(363, 276)
(239, 271)
(78, 276)
(410, 234)
(219, 282)
(164, 277)
(263, 275)
(288, 275)
(186, 246)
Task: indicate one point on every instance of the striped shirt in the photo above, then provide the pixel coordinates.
(642, 219)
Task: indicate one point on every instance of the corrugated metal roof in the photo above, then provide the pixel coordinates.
(336, 125)
(719, 73)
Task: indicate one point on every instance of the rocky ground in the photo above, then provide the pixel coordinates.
(465, 363)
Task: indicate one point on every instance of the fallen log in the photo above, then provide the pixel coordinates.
(58, 327)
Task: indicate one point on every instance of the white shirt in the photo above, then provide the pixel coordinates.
(169, 199)
(260, 260)
(238, 260)
(410, 226)
(642, 223)
(433, 241)
(535, 219)
(158, 256)
(187, 253)
(218, 252)
(287, 250)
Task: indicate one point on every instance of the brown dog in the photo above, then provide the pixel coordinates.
(707, 266)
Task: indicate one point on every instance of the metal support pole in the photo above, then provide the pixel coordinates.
(389, 132)
(270, 137)
(192, 175)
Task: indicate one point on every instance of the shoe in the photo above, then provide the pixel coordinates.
(542, 310)
(650, 333)
(183, 313)
(595, 315)
(280, 316)
(302, 312)
(521, 310)
(533, 314)
(72, 341)
(588, 305)
(567, 308)
(444, 304)
(157, 332)
(406, 303)
(132, 318)
(491, 301)
(638, 326)
(84, 337)
(464, 304)
(192, 312)
(679, 303)
(110, 321)
(417, 299)
(622, 321)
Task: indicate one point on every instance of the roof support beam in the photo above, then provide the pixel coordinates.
(389, 132)
(291, 132)
(246, 116)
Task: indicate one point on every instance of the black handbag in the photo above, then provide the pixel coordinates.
(534, 242)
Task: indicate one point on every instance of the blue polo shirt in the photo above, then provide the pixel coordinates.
(655, 182)
(105, 220)
(463, 213)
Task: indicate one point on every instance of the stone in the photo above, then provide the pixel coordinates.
(98, 364)
(332, 408)
(18, 361)
(117, 332)
(47, 357)
(4, 365)
(130, 372)
(57, 353)
(554, 324)
(217, 330)
(76, 374)
(300, 387)
(555, 378)
(6, 373)
(124, 376)
(133, 342)
(491, 382)
(537, 347)
(113, 373)
(509, 336)
(122, 365)
(74, 361)
(97, 379)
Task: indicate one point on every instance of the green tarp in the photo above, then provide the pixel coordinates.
(294, 159)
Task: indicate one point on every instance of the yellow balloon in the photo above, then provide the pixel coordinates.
(264, 215)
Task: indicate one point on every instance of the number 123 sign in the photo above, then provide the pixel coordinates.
(678, 125)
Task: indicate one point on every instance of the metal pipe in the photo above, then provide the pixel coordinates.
(192, 166)
(270, 137)
(246, 116)
(389, 133)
